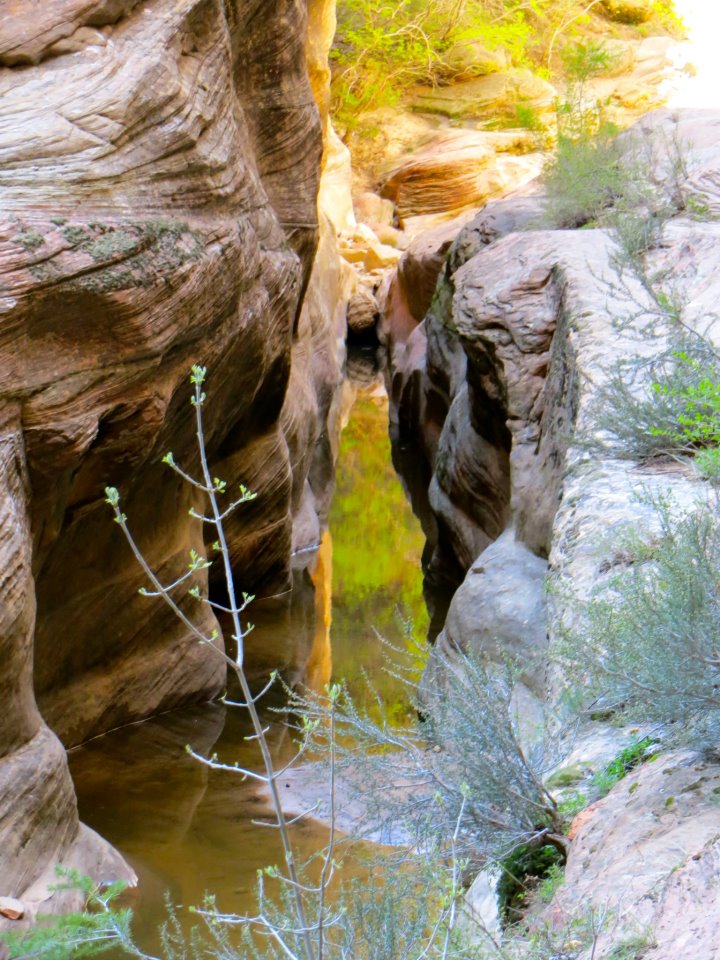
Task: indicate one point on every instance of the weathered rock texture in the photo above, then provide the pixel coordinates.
(457, 170)
(647, 856)
(492, 397)
(524, 330)
(488, 96)
(38, 814)
(160, 165)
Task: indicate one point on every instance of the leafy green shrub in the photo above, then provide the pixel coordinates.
(665, 14)
(101, 926)
(381, 47)
(660, 407)
(698, 402)
(523, 871)
(638, 751)
(551, 882)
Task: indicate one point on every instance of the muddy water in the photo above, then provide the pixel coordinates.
(188, 830)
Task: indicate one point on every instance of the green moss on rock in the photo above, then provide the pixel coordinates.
(134, 254)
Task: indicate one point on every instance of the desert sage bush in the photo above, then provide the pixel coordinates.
(465, 765)
(631, 184)
(646, 643)
(667, 405)
(584, 177)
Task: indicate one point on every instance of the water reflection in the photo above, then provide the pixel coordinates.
(187, 829)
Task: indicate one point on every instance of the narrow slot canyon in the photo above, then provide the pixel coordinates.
(457, 331)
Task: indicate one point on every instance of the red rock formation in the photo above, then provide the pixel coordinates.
(160, 164)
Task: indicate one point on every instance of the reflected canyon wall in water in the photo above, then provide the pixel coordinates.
(187, 829)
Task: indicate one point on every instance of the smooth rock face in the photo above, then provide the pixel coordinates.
(499, 610)
(412, 285)
(159, 182)
(38, 814)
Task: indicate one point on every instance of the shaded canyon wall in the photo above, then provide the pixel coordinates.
(159, 176)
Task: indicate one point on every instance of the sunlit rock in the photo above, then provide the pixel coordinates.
(488, 95)
(454, 171)
(647, 856)
(11, 909)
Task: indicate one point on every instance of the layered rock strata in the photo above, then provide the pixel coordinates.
(160, 171)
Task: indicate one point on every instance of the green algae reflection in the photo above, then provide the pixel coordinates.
(377, 546)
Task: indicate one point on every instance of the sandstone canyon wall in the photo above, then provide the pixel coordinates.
(500, 388)
(158, 184)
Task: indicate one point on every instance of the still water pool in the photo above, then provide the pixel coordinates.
(188, 830)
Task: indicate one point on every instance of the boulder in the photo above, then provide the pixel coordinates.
(373, 209)
(362, 312)
(499, 611)
(456, 170)
(470, 488)
(480, 909)
(522, 210)
(362, 247)
(12, 909)
(391, 236)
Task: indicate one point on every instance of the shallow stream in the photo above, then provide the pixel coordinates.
(187, 830)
